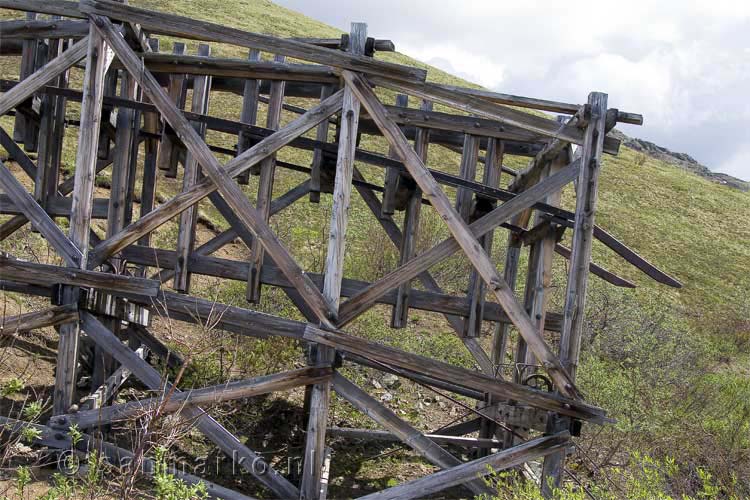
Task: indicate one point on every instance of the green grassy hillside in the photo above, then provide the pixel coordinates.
(670, 365)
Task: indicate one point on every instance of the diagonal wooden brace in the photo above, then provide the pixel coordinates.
(246, 212)
(462, 234)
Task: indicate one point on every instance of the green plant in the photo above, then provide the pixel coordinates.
(11, 387)
(32, 410)
(30, 434)
(23, 478)
(167, 487)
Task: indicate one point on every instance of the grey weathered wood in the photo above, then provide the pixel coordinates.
(98, 59)
(205, 396)
(10, 325)
(248, 214)
(151, 156)
(476, 290)
(42, 28)
(170, 24)
(468, 171)
(363, 300)
(371, 435)
(191, 175)
(390, 185)
(28, 59)
(409, 235)
(177, 89)
(310, 486)
(398, 359)
(39, 218)
(45, 274)
(249, 113)
(226, 441)
(505, 459)
(267, 171)
(235, 167)
(462, 234)
(43, 76)
(321, 134)
(405, 432)
(586, 191)
(107, 390)
(597, 270)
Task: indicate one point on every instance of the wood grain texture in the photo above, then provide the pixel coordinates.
(10, 325)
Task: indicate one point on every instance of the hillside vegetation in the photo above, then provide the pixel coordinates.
(671, 365)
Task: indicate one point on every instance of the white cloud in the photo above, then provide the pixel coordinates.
(685, 65)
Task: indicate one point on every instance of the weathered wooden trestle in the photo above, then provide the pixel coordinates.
(133, 120)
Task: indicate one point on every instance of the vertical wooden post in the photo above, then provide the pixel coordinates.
(28, 61)
(189, 217)
(249, 113)
(266, 170)
(98, 58)
(392, 175)
(177, 90)
(148, 186)
(468, 171)
(51, 132)
(321, 134)
(310, 488)
(493, 162)
(583, 232)
(408, 247)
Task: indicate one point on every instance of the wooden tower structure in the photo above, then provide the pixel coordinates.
(133, 120)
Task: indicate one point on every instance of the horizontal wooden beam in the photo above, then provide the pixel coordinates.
(270, 275)
(44, 274)
(23, 29)
(387, 437)
(398, 358)
(168, 403)
(52, 316)
(170, 24)
(505, 459)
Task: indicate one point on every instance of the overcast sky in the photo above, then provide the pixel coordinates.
(684, 65)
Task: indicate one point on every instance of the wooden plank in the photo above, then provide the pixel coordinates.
(398, 359)
(476, 290)
(586, 192)
(226, 441)
(399, 427)
(39, 218)
(267, 171)
(43, 76)
(481, 467)
(151, 155)
(248, 214)
(168, 403)
(249, 113)
(44, 274)
(123, 157)
(321, 134)
(408, 246)
(435, 301)
(100, 396)
(11, 325)
(98, 59)
(28, 59)
(235, 167)
(177, 90)
(36, 29)
(463, 235)
(170, 24)
(388, 437)
(363, 300)
(481, 107)
(253, 68)
(468, 171)
(310, 486)
(390, 185)
(191, 175)
(597, 270)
